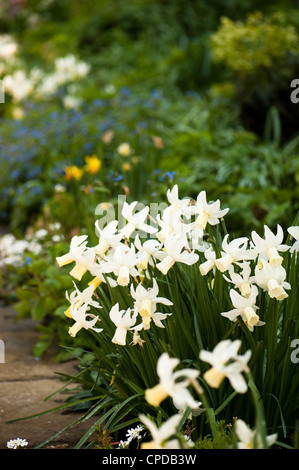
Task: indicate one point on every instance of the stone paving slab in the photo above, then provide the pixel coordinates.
(25, 383)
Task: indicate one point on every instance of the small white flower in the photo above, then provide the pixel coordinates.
(173, 384)
(162, 437)
(122, 263)
(77, 298)
(124, 149)
(245, 307)
(146, 252)
(135, 433)
(171, 223)
(294, 232)
(16, 443)
(243, 280)
(18, 85)
(71, 102)
(176, 204)
(226, 362)
(69, 68)
(247, 437)
(175, 252)
(8, 47)
(206, 267)
(234, 251)
(207, 212)
(108, 237)
(135, 221)
(146, 301)
(269, 246)
(80, 316)
(79, 253)
(123, 320)
(272, 279)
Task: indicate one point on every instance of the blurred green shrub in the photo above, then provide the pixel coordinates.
(203, 148)
(262, 54)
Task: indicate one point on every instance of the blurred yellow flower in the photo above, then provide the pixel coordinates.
(73, 172)
(18, 113)
(93, 164)
(135, 160)
(124, 149)
(126, 166)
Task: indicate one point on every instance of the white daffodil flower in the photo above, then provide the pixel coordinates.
(123, 320)
(269, 246)
(248, 439)
(175, 251)
(206, 212)
(84, 264)
(176, 204)
(226, 362)
(108, 237)
(234, 251)
(243, 280)
(80, 316)
(135, 221)
(77, 249)
(146, 301)
(95, 270)
(171, 223)
(206, 267)
(77, 299)
(79, 253)
(272, 279)
(122, 263)
(18, 84)
(245, 307)
(294, 232)
(173, 384)
(162, 437)
(8, 47)
(146, 252)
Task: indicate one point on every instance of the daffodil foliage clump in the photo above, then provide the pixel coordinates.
(186, 325)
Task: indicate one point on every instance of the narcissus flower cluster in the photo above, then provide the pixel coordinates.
(137, 255)
(123, 255)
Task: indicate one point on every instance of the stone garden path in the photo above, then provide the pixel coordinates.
(24, 385)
